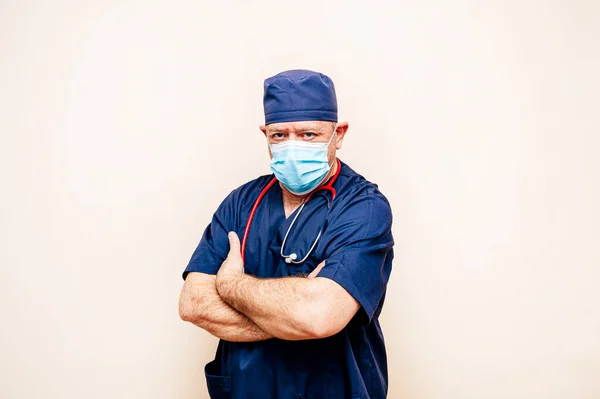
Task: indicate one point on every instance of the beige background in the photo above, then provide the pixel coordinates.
(123, 125)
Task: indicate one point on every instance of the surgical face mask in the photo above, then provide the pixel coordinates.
(299, 165)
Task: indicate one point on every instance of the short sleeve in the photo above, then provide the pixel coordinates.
(359, 251)
(214, 245)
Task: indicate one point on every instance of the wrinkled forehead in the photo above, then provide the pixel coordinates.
(300, 126)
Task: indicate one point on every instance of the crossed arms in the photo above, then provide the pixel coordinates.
(241, 308)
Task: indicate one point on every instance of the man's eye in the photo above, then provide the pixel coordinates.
(277, 135)
(309, 135)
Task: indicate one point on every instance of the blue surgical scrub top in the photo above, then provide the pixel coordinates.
(356, 244)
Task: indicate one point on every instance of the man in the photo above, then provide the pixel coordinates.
(296, 303)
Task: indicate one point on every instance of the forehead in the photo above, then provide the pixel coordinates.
(300, 126)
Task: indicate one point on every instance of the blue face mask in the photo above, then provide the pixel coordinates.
(299, 165)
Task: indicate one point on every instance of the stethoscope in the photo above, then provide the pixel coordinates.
(292, 257)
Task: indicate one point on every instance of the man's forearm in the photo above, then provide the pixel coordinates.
(281, 307)
(201, 305)
(226, 323)
(290, 308)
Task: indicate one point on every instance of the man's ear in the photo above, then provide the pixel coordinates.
(341, 130)
(263, 129)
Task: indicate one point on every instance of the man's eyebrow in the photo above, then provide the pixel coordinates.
(313, 129)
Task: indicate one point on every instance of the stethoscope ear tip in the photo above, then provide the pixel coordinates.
(291, 258)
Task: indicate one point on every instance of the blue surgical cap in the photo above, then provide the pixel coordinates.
(299, 95)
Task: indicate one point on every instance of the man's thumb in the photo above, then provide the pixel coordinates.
(234, 244)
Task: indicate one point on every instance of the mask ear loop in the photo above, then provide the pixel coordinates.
(334, 134)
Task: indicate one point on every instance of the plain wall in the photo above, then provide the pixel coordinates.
(123, 124)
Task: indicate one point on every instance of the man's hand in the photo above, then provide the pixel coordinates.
(316, 271)
(201, 305)
(233, 266)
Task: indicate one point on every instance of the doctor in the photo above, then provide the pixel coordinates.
(291, 273)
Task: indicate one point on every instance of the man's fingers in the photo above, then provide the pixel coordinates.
(314, 273)
(234, 244)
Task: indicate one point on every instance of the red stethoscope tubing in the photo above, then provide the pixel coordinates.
(327, 187)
